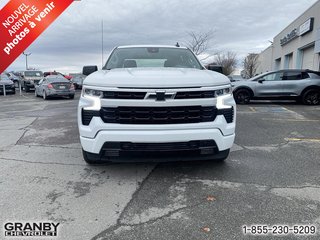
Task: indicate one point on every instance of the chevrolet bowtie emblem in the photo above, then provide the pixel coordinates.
(160, 95)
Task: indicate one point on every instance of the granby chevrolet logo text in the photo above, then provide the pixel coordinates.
(19, 229)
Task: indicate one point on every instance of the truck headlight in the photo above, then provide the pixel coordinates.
(93, 96)
(222, 92)
(223, 95)
(87, 92)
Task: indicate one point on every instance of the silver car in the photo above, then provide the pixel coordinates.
(302, 85)
(54, 86)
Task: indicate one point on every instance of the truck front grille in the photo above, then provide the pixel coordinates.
(124, 95)
(142, 95)
(158, 115)
(36, 81)
(195, 95)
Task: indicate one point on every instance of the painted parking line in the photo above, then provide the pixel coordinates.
(303, 140)
(290, 120)
(269, 109)
(252, 109)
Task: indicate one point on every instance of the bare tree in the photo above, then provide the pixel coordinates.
(199, 41)
(228, 61)
(250, 65)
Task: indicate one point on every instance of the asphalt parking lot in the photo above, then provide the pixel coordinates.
(271, 177)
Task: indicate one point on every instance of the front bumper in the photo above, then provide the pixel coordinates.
(94, 145)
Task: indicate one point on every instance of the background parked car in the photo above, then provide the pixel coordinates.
(296, 84)
(6, 83)
(54, 86)
(30, 78)
(234, 78)
(78, 81)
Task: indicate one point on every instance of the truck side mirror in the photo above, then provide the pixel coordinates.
(87, 70)
(215, 68)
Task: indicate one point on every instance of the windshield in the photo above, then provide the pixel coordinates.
(33, 74)
(143, 57)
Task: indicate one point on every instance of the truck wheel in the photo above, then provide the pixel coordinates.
(71, 96)
(311, 97)
(242, 96)
(91, 158)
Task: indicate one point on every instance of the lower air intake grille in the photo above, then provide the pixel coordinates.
(87, 116)
(228, 114)
(159, 147)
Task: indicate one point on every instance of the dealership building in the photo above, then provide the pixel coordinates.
(297, 46)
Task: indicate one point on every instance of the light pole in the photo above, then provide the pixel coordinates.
(102, 43)
(27, 55)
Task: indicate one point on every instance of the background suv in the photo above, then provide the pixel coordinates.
(296, 84)
(30, 78)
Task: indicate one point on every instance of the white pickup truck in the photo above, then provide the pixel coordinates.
(155, 103)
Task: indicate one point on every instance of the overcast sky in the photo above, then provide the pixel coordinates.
(74, 39)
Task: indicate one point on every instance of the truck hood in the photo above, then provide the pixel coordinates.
(155, 78)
